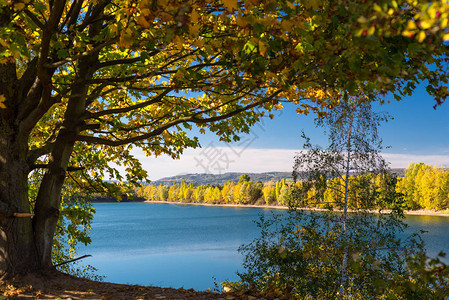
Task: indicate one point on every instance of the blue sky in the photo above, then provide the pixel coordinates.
(418, 133)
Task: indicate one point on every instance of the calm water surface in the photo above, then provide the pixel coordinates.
(191, 246)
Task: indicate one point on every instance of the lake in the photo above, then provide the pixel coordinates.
(191, 246)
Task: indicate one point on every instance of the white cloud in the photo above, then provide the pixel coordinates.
(219, 160)
(402, 160)
(251, 160)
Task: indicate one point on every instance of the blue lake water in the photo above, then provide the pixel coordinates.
(191, 246)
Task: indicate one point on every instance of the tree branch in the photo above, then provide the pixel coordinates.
(33, 155)
(34, 19)
(94, 14)
(158, 131)
(125, 61)
(84, 54)
(132, 107)
(45, 166)
(150, 74)
(72, 260)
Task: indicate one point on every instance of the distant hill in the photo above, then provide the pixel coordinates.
(400, 172)
(203, 179)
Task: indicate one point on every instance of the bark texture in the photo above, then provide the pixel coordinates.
(17, 251)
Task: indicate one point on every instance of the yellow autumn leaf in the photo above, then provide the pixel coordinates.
(126, 39)
(4, 43)
(2, 99)
(262, 48)
(194, 16)
(195, 29)
(411, 25)
(315, 4)
(421, 36)
(145, 12)
(408, 33)
(279, 106)
(142, 21)
(19, 6)
(377, 8)
(425, 24)
(362, 19)
(179, 41)
(231, 4)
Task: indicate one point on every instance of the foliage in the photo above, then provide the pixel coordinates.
(298, 256)
(84, 82)
(383, 191)
(425, 187)
(339, 255)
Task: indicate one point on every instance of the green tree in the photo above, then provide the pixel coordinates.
(83, 82)
(254, 191)
(244, 178)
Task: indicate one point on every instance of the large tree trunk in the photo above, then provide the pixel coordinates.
(26, 242)
(17, 251)
(48, 200)
(48, 203)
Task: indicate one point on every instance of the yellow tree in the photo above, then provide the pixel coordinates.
(82, 82)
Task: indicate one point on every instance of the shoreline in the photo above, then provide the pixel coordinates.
(421, 212)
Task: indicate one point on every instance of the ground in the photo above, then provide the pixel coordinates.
(62, 286)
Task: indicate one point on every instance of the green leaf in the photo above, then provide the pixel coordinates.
(249, 47)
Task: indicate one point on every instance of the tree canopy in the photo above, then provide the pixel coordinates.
(82, 82)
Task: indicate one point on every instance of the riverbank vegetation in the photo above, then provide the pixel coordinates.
(422, 187)
(329, 255)
(83, 83)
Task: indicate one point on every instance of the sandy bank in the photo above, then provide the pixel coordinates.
(422, 212)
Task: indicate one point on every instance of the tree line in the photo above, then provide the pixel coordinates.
(422, 187)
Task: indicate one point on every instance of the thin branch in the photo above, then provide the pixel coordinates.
(93, 14)
(132, 107)
(45, 166)
(34, 19)
(125, 61)
(72, 14)
(149, 74)
(73, 260)
(158, 131)
(84, 54)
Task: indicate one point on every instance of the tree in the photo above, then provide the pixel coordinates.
(269, 194)
(354, 147)
(83, 82)
(425, 187)
(325, 255)
(244, 178)
(298, 256)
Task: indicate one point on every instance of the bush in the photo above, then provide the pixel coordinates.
(299, 255)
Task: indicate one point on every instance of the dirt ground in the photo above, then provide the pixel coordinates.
(62, 286)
